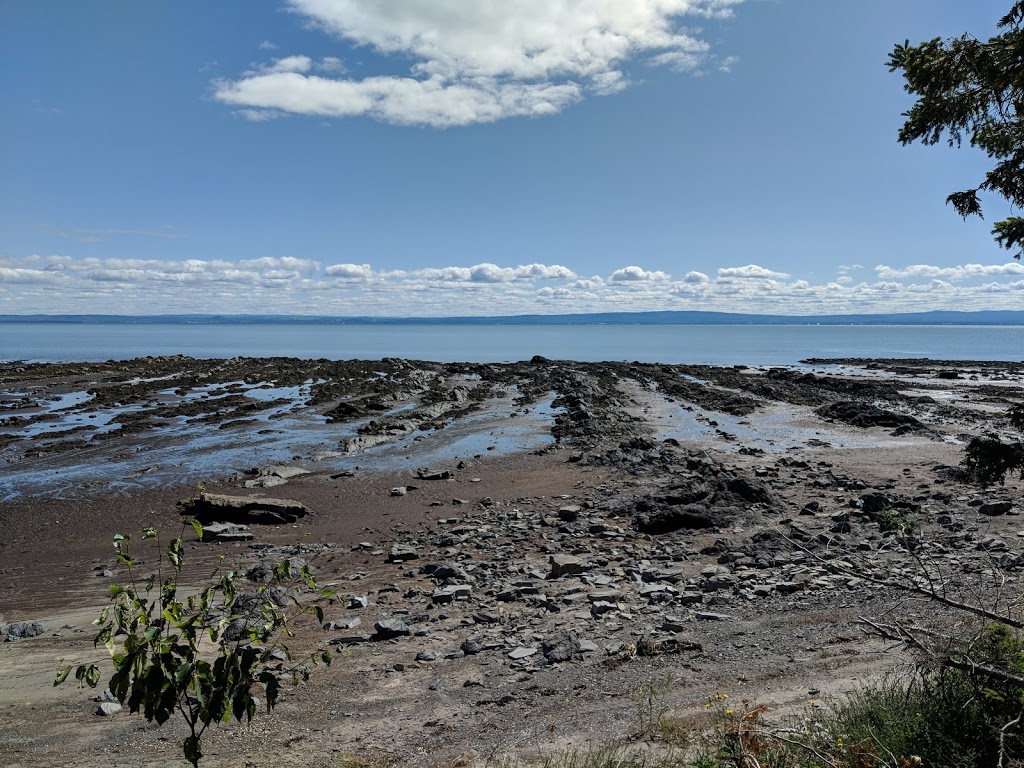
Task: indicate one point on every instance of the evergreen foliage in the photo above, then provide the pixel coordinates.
(974, 90)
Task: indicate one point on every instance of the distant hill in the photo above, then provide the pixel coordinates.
(987, 317)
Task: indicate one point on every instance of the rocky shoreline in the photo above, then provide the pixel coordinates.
(517, 548)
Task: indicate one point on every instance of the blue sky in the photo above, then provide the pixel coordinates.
(446, 157)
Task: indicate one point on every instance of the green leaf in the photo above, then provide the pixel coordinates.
(149, 533)
(174, 554)
(326, 658)
(62, 675)
(183, 674)
(92, 675)
(198, 528)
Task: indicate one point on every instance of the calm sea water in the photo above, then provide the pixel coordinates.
(716, 344)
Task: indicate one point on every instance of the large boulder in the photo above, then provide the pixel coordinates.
(561, 646)
(244, 510)
(662, 518)
(19, 630)
(862, 414)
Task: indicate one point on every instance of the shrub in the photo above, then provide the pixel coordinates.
(164, 666)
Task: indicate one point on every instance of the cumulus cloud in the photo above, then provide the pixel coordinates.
(636, 275)
(332, 64)
(492, 273)
(751, 272)
(291, 64)
(477, 62)
(950, 273)
(293, 285)
(350, 271)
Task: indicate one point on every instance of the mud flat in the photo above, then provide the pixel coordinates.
(541, 538)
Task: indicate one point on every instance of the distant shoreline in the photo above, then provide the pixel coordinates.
(934, 318)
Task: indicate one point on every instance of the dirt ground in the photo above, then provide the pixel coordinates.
(770, 585)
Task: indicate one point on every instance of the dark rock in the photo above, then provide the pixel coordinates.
(387, 629)
(753, 491)
(223, 532)
(873, 503)
(433, 474)
(666, 519)
(566, 565)
(569, 514)
(862, 414)
(400, 554)
(561, 646)
(20, 630)
(995, 508)
(261, 572)
(220, 508)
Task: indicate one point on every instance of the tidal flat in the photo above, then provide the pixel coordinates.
(533, 526)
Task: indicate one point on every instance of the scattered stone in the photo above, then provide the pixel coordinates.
(566, 565)
(225, 532)
(521, 652)
(388, 629)
(19, 630)
(995, 508)
(569, 513)
(268, 477)
(561, 646)
(400, 553)
(451, 593)
(709, 616)
(434, 474)
(342, 624)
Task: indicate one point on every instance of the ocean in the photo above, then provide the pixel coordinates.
(695, 344)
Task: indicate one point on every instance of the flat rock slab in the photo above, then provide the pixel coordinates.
(566, 565)
(522, 653)
(425, 473)
(995, 508)
(246, 510)
(225, 532)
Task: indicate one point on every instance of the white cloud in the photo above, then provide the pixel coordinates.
(266, 45)
(636, 274)
(291, 64)
(492, 273)
(477, 62)
(751, 272)
(950, 273)
(726, 64)
(332, 64)
(59, 284)
(350, 271)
